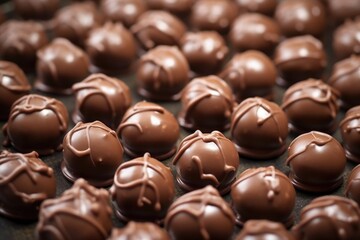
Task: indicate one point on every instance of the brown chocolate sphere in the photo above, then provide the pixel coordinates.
(139, 230)
(39, 9)
(143, 190)
(344, 9)
(176, 7)
(266, 7)
(317, 162)
(346, 39)
(350, 133)
(352, 188)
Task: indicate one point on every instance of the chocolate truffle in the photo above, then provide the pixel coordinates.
(36, 123)
(81, 212)
(111, 47)
(25, 182)
(143, 190)
(13, 85)
(346, 39)
(206, 159)
(60, 65)
(39, 9)
(350, 133)
(259, 129)
(254, 31)
(344, 9)
(102, 98)
(200, 214)
(329, 217)
(352, 188)
(205, 51)
(250, 74)
(138, 231)
(91, 151)
(311, 105)
(263, 193)
(123, 11)
(154, 28)
(266, 7)
(214, 15)
(317, 162)
(20, 41)
(207, 104)
(299, 58)
(162, 74)
(176, 7)
(148, 127)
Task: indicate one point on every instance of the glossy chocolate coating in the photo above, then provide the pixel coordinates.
(346, 39)
(206, 159)
(91, 151)
(39, 9)
(181, 7)
(254, 31)
(162, 74)
(266, 7)
(344, 9)
(102, 98)
(200, 214)
(350, 133)
(311, 105)
(81, 212)
(138, 231)
(154, 28)
(329, 217)
(143, 190)
(263, 193)
(36, 123)
(259, 129)
(317, 162)
(20, 41)
(60, 65)
(250, 74)
(13, 85)
(205, 51)
(299, 58)
(25, 182)
(111, 47)
(352, 188)
(206, 104)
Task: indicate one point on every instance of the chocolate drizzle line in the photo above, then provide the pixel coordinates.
(350, 118)
(258, 228)
(354, 177)
(9, 70)
(344, 68)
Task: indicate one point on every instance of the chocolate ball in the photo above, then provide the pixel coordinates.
(329, 217)
(60, 65)
(176, 7)
(39, 9)
(250, 74)
(346, 39)
(266, 7)
(13, 85)
(205, 51)
(317, 162)
(263, 193)
(311, 105)
(206, 104)
(162, 73)
(25, 182)
(350, 133)
(299, 58)
(148, 127)
(36, 123)
(259, 129)
(143, 190)
(139, 230)
(342, 10)
(352, 188)
(82, 212)
(197, 214)
(102, 98)
(91, 151)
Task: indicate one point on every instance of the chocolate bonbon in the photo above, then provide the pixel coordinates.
(342, 10)
(39, 10)
(138, 230)
(352, 188)
(180, 8)
(350, 133)
(266, 7)
(345, 40)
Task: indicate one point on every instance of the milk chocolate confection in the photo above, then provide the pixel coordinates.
(311, 105)
(154, 28)
(81, 212)
(143, 190)
(350, 133)
(263, 193)
(91, 151)
(139, 230)
(342, 10)
(329, 217)
(39, 9)
(148, 127)
(162, 74)
(13, 85)
(19, 42)
(346, 39)
(111, 47)
(36, 123)
(123, 11)
(317, 162)
(259, 129)
(205, 51)
(266, 7)
(176, 7)
(25, 182)
(206, 159)
(207, 104)
(250, 74)
(301, 17)
(60, 65)
(299, 58)
(352, 189)
(254, 31)
(200, 214)
(102, 98)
